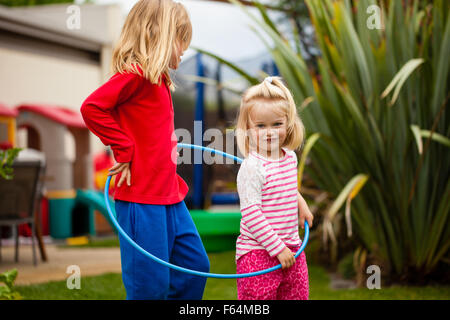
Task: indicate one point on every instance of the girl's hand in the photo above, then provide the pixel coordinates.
(286, 258)
(123, 167)
(304, 213)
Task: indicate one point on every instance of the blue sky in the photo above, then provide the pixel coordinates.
(218, 27)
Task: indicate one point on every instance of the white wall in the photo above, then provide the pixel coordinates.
(42, 72)
(29, 77)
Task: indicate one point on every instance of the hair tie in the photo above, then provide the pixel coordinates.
(268, 79)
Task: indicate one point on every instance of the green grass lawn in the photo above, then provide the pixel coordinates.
(109, 286)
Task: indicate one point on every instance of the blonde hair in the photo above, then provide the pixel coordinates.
(148, 36)
(271, 93)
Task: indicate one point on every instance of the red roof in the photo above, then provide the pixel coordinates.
(67, 117)
(7, 112)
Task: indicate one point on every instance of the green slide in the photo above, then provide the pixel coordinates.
(218, 230)
(95, 200)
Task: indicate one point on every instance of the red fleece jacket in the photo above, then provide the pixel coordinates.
(136, 118)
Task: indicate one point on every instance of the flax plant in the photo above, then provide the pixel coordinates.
(376, 110)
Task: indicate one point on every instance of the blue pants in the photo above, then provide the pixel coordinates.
(167, 232)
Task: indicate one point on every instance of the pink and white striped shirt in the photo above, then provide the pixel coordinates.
(269, 204)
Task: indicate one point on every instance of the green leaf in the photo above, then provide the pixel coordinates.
(346, 192)
(419, 134)
(282, 45)
(308, 146)
(245, 75)
(209, 81)
(6, 160)
(416, 131)
(266, 18)
(8, 277)
(437, 137)
(400, 79)
(440, 82)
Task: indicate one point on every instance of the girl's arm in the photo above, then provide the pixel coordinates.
(96, 112)
(249, 184)
(303, 212)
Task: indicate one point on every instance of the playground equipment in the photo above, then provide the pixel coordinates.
(95, 201)
(7, 127)
(46, 128)
(178, 268)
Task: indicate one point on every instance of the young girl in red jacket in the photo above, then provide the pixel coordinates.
(133, 113)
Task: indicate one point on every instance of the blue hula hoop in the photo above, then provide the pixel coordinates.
(190, 271)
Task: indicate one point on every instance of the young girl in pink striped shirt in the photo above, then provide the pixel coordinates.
(268, 130)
